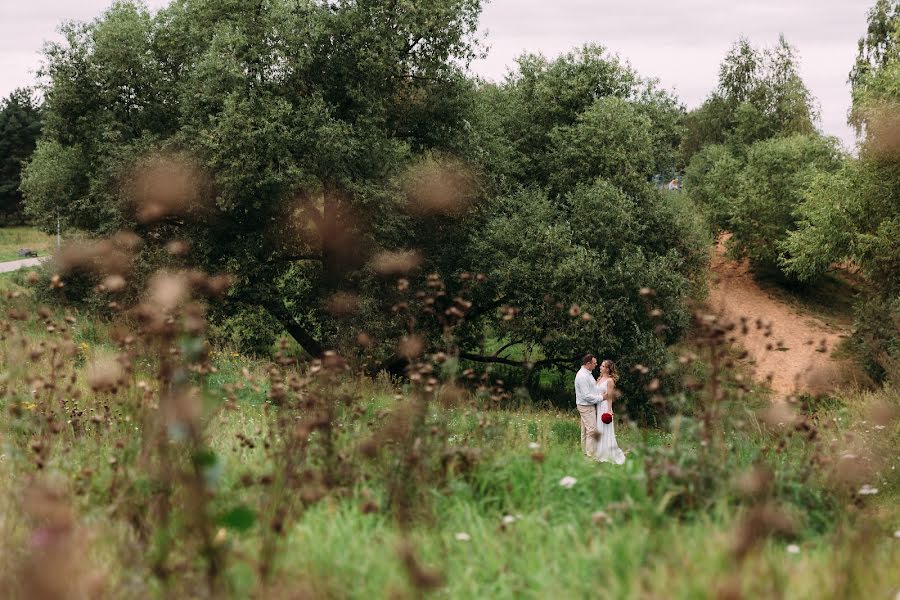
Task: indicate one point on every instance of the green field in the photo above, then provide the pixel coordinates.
(14, 238)
(403, 492)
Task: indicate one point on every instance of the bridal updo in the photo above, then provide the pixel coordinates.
(611, 369)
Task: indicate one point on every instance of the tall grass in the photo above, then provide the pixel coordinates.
(138, 461)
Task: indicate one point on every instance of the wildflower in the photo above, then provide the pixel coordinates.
(462, 536)
(897, 534)
(568, 481)
(508, 519)
(793, 549)
(29, 406)
(533, 446)
(867, 490)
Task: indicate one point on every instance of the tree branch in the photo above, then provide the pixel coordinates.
(478, 311)
(297, 257)
(546, 362)
(294, 329)
(504, 347)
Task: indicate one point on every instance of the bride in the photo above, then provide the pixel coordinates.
(607, 448)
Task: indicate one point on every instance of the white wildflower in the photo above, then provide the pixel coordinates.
(568, 481)
(508, 520)
(462, 536)
(867, 490)
(793, 549)
(533, 446)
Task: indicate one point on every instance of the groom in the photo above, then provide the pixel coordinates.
(587, 397)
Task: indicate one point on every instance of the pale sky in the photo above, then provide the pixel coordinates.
(680, 42)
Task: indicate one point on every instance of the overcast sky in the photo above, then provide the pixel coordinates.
(680, 42)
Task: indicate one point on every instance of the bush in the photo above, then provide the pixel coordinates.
(876, 337)
(710, 180)
(249, 329)
(770, 189)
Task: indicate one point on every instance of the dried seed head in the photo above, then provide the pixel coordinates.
(759, 523)
(401, 262)
(127, 240)
(342, 304)
(114, 283)
(421, 577)
(178, 247)
(444, 188)
(105, 374)
(166, 186)
(411, 346)
(166, 291)
(755, 483)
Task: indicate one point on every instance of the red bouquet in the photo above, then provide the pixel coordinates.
(606, 418)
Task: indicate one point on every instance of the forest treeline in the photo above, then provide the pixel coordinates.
(330, 156)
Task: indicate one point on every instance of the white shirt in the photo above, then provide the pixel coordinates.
(586, 390)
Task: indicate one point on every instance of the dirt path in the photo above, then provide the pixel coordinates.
(796, 354)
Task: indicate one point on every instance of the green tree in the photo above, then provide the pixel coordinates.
(854, 215)
(547, 106)
(322, 134)
(769, 190)
(760, 95)
(302, 113)
(712, 180)
(20, 127)
(574, 273)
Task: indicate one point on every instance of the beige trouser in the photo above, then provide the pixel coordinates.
(588, 428)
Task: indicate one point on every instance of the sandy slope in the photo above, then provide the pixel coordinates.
(797, 353)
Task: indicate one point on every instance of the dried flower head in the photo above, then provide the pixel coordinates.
(401, 262)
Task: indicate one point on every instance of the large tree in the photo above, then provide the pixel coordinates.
(303, 113)
(760, 95)
(20, 126)
(321, 135)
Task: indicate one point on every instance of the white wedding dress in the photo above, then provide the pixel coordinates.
(607, 448)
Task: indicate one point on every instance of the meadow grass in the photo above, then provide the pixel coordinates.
(498, 526)
(14, 238)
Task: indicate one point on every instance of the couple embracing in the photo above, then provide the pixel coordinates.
(594, 401)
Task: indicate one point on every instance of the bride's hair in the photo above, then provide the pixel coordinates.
(611, 369)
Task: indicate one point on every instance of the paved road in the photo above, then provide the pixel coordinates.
(15, 265)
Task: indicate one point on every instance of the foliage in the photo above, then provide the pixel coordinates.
(301, 115)
(313, 143)
(769, 190)
(876, 71)
(752, 148)
(711, 179)
(547, 107)
(760, 95)
(20, 126)
(588, 261)
(854, 215)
